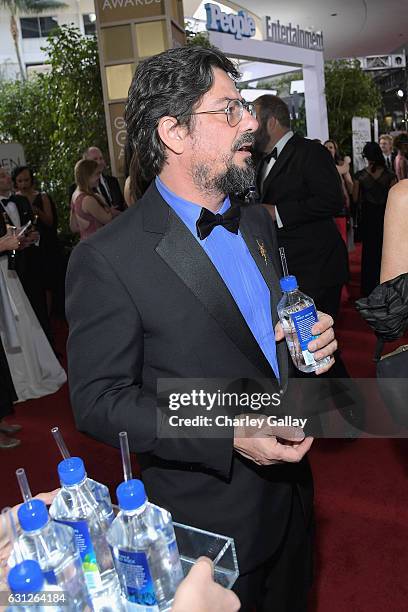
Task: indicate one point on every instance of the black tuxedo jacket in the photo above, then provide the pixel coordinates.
(24, 208)
(305, 186)
(144, 302)
(393, 156)
(115, 192)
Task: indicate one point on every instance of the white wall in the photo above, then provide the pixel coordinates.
(30, 48)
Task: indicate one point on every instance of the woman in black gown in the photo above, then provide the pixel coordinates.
(370, 192)
(45, 213)
(7, 391)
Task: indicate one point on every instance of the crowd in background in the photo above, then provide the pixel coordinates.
(29, 368)
(319, 206)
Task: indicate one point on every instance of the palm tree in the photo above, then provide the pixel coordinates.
(16, 7)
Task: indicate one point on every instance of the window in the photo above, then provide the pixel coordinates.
(37, 27)
(89, 24)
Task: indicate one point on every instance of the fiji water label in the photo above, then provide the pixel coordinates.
(137, 580)
(303, 322)
(87, 553)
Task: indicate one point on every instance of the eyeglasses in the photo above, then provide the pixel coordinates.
(234, 111)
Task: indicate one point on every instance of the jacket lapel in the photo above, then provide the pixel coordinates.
(182, 253)
(280, 163)
(24, 209)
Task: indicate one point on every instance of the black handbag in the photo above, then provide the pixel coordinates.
(386, 311)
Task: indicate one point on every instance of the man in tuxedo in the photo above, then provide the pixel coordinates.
(17, 211)
(298, 180)
(386, 144)
(108, 186)
(185, 286)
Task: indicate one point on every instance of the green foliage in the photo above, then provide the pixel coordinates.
(350, 92)
(58, 114)
(282, 85)
(199, 39)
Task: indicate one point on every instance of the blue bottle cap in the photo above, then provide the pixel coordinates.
(131, 494)
(26, 577)
(71, 471)
(289, 283)
(33, 515)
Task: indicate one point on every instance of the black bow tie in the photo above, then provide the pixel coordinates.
(208, 220)
(273, 154)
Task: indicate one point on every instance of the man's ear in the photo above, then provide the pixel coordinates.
(172, 134)
(271, 124)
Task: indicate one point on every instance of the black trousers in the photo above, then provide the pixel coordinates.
(350, 405)
(282, 583)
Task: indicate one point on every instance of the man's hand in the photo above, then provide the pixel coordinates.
(32, 236)
(9, 243)
(268, 445)
(199, 593)
(323, 346)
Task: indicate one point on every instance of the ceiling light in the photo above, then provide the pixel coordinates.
(400, 93)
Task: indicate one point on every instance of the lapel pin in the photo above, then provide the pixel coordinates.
(262, 251)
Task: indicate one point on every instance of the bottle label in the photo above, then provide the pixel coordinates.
(303, 322)
(87, 553)
(137, 579)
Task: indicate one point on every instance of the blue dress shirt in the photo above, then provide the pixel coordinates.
(237, 268)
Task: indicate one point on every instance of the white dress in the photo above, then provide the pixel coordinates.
(34, 368)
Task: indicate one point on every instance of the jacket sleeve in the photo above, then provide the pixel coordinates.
(322, 195)
(105, 364)
(116, 193)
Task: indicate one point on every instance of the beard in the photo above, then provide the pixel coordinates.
(234, 180)
(261, 140)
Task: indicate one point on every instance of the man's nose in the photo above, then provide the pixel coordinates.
(249, 122)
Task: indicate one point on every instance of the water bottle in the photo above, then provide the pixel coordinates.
(163, 521)
(53, 546)
(85, 505)
(29, 590)
(145, 551)
(297, 313)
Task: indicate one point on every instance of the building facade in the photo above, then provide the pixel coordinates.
(33, 31)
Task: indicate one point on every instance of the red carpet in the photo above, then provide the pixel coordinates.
(361, 487)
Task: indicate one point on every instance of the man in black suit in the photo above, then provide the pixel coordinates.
(182, 287)
(108, 186)
(18, 211)
(386, 143)
(299, 182)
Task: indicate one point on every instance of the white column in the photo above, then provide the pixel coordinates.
(315, 99)
(79, 18)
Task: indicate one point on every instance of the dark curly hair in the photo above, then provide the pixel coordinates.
(372, 153)
(18, 170)
(171, 83)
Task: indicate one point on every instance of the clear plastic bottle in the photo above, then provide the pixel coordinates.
(297, 313)
(145, 551)
(85, 505)
(29, 590)
(53, 546)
